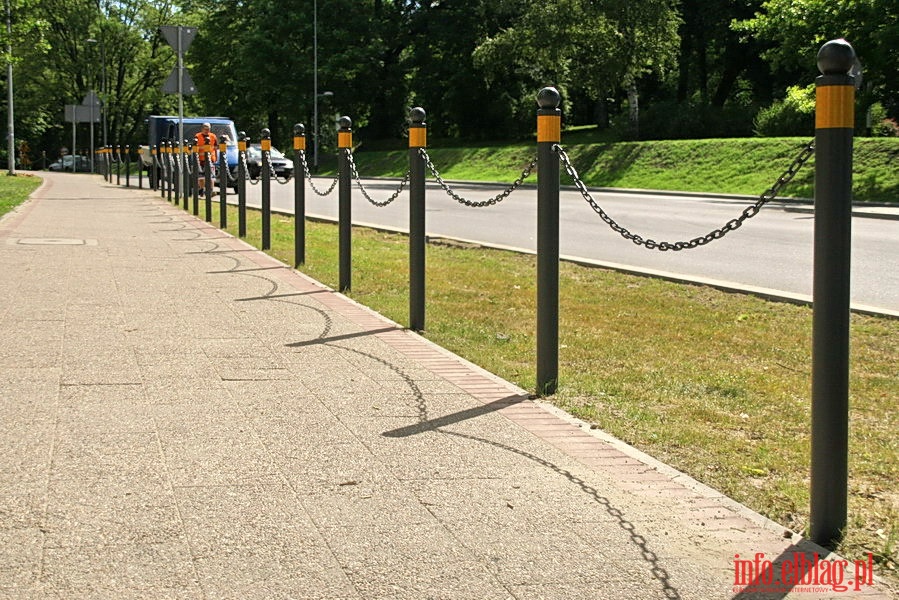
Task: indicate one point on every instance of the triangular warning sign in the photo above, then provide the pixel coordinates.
(171, 84)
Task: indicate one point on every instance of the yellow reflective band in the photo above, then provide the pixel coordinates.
(223, 147)
(140, 150)
(266, 145)
(242, 146)
(299, 142)
(835, 107)
(549, 128)
(418, 137)
(344, 139)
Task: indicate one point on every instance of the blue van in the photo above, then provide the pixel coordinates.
(166, 128)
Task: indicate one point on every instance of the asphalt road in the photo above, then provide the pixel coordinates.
(772, 251)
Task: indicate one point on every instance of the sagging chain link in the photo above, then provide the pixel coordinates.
(490, 201)
(393, 196)
(246, 170)
(717, 234)
(308, 175)
(272, 172)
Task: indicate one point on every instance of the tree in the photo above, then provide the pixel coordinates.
(587, 46)
(794, 31)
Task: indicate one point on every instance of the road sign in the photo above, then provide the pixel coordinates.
(76, 113)
(171, 84)
(170, 32)
(91, 100)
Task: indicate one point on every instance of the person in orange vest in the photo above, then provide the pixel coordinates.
(205, 140)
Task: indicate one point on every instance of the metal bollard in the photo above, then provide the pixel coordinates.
(194, 177)
(549, 133)
(345, 208)
(834, 126)
(266, 146)
(176, 180)
(418, 139)
(169, 171)
(187, 153)
(242, 141)
(118, 165)
(223, 185)
(207, 180)
(299, 196)
(127, 166)
(153, 174)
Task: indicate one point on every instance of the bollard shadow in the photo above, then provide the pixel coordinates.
(241, 270)
(458, 417)
(803, 565)
(337, 338)
(279, 296)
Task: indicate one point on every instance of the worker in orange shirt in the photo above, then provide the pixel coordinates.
(206, 141)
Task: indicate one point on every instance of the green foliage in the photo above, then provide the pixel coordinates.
(794, 115)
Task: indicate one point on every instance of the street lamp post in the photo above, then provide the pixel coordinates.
(315, 125)
(10, 133)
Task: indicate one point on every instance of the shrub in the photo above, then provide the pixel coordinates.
(792, 116)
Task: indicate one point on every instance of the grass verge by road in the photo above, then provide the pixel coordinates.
(15, 190)
(715, 384)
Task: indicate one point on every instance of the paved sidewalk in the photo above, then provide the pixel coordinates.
(185, 417)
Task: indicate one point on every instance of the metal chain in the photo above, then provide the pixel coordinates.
(716, 234)
(490, 201)
(274, 175)
(393, 197)
(246, 171)
(308, 174)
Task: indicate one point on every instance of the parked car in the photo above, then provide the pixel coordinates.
(82, 164)
(282, 165)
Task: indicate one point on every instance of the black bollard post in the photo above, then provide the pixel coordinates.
(266, 145)
(140, 168)
(299, 195)
(127, 166)
(176, 156)
(189, 169)
(153, 174)
(418, 139)
(242, 141)
(118, 165)
(345, 208)
(194, 178)
(549, 133)
(170, 171)
(206, 167)
(834, 126)
(223, 184)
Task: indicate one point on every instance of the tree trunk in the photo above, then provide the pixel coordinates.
(633, 103)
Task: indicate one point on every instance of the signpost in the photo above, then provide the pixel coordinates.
(179, 81)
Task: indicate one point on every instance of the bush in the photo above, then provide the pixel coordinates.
(879, 124)
(792, 116)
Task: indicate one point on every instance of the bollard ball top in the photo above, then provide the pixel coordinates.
(549, 98)
(299, 129)
(417, 115)
(241, 135)
(836, 57)
(345, 122)
(266, 133)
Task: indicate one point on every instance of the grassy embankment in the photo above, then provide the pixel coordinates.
(735, 166)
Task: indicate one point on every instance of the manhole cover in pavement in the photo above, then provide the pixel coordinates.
(52, 242)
